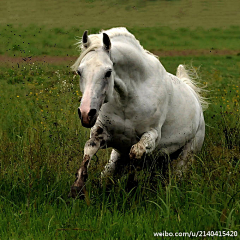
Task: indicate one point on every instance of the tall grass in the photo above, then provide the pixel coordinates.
(41, 138)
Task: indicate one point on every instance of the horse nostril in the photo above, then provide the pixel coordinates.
(79, 113)
(92, 113)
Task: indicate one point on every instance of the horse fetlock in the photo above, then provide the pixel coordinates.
(77, 192)
(82, 176)
(137, 151)
(180, 167)
(77, 189)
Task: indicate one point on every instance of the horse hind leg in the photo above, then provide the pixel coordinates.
(180, 165)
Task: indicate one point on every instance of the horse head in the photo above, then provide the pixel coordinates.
(96, 79)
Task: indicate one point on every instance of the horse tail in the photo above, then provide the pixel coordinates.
(189, 76)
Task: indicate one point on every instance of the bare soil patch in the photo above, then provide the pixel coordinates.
(69, 60)
(56, 60)
(199, 52)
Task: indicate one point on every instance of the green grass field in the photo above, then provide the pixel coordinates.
(42, 140)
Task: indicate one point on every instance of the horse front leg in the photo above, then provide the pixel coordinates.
(97, 140)
(145, 145)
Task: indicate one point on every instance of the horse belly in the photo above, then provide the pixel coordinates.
(171, 144)
(122, 143)
(176, 135)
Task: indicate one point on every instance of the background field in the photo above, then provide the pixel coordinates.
(42, 140)
(108, 13)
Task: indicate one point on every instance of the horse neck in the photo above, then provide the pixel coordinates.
(133, 67)
(128, 58)
(129, 64)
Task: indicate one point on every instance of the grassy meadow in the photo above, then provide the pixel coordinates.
(42, 140)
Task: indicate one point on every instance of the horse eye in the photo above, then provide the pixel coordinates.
(108, 74)
(79, 73)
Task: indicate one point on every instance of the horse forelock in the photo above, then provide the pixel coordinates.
(96, 42)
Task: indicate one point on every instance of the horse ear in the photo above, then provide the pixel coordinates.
(106, 42)
(85, 39)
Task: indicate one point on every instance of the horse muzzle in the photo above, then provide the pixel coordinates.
(88, 119)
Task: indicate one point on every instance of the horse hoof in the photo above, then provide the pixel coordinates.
(76, 192)
(137, 151)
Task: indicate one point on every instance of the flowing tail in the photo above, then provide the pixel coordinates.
(190, 77)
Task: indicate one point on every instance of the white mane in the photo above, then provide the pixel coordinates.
(96, 42)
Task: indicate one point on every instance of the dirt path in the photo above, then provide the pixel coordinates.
(57, 60)
(199, 52)
(6, 60)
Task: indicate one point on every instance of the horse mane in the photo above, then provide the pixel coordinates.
(96, 42)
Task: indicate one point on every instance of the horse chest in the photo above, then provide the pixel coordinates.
(124, 128)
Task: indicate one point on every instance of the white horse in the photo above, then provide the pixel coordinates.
(132, 104)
